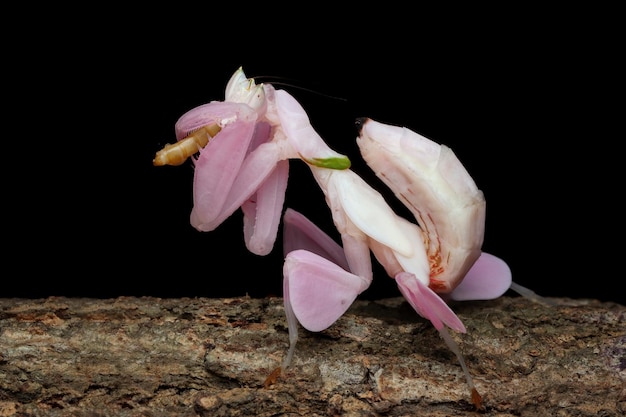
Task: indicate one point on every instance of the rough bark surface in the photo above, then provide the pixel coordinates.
(211, 357)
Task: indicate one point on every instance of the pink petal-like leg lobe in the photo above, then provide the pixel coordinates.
(488, 278)
(301, 233)
(430, 306)
(318, 290)
(427, 303)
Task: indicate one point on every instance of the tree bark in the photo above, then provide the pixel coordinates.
(212, 357)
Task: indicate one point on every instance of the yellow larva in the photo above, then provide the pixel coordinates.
(177, 153)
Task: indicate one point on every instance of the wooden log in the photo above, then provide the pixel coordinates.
(211, 357)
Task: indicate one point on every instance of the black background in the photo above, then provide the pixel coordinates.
(524, 107)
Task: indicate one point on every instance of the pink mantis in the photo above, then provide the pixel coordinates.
(244, 147)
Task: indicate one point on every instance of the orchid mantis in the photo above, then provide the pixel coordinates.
(244, 144)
